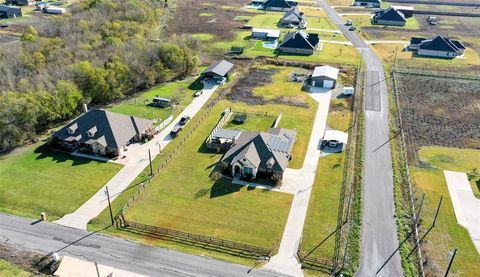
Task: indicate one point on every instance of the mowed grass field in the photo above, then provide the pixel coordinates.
(179, 91)
(186, 198)
(35, 179)
(446, 234)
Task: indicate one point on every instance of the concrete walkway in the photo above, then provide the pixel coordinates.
(137, 161)
(465, 204)
(300, 182)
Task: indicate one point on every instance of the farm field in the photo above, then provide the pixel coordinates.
(179, 92)
(36, 179)
(439, 111)
(446, 234)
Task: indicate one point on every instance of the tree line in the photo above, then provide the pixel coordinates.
(104, 50)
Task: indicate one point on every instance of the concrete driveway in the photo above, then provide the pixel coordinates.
(465, 204)
(136, 163)
(300, 182)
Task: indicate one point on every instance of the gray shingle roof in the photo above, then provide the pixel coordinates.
(293, 15)
(440, 43)
(220, 68)
(260, 148)
(390, 14)
(112, 130)
(300, 39)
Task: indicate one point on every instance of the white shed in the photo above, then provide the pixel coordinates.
(324, 76)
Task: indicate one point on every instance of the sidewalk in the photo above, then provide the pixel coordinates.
(137, 162)
(300, 182)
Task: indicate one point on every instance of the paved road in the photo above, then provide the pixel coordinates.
(300, 182)
(379, 229)
(137, 161)
(47, 237)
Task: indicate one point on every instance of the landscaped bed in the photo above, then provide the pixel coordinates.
(36, 179)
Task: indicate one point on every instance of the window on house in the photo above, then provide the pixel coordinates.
(248, 170)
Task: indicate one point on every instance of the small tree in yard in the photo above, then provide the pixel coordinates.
(474, 174)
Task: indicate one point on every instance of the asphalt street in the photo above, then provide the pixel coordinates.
(379, 229)
(47, 237)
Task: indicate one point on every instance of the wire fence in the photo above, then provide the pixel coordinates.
(406, 177)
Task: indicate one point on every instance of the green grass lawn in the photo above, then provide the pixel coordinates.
(35, 180)
(322, 212)
(206, 14)
(203, 36)
(9, 270)
(138, 106)
(254, 122)
(189, 200)
(447, 234)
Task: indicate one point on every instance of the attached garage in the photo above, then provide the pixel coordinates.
(324, 76)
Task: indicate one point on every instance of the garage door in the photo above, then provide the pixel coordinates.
(327, 84)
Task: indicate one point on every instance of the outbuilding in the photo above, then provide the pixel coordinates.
(161, 102)
(265, 34)
(324, 76)
(368, 3)
(218, 70)
(7, 12)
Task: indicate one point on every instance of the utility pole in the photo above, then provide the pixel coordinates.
(109, 204)
(394, 60)
(96, 267)
(150, 160)
(451, 256)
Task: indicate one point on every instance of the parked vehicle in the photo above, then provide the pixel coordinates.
(333, 143)
(353, 28)
(184, 120)
(175, 131)
(198, 93)
(349, 22)
(221, 81)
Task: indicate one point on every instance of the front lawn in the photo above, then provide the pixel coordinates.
(139, 105)
(446, 234)
(35, 179)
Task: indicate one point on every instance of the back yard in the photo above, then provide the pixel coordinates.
(180, 92)
(36, 179)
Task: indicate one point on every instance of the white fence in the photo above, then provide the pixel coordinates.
(164, 123)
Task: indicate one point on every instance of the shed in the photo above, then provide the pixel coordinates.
(324, 76)
(268, 34)
(10, 12)
(218, 69)
(161, 102)
(225, 136)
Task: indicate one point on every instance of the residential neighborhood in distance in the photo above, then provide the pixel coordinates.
(240, 138)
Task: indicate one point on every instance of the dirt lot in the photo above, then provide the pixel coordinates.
(439, 111)
(215, 17)
(258, 77)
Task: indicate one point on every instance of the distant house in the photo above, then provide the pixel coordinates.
(19, 2)
(260, 154)
(389, 16)
(278, 5)
(324, 76)
(368, 3)
(265, 34)
(10, 12)
(437, 47)
(102, 132)
(407, 11)
(299, 42)
(218, 70)
(293, 18)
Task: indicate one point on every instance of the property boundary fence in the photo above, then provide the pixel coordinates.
(239, 249)
(164, 123)
(429, 74)
(407, 177)
(220, 123)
